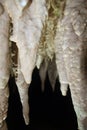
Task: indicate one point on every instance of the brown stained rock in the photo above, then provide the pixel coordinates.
(52, 72)
(3, 126)
(1, 9)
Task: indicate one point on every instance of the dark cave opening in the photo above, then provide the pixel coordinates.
(48, 110)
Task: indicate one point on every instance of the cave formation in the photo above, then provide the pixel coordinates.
(43, 61)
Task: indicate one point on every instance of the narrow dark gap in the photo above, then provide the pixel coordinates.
(48, 110)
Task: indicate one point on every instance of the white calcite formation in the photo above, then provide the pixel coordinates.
(52, 36)
(71, 56)
(28, 18)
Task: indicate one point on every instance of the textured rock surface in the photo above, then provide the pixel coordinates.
(33, 25)
(27, 28)
(4, 64)
(28, 18)
(73, 40)
(4, 126)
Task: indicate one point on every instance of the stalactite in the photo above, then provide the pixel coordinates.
(52, 73)
(72, 31)
(4, 64)
(45, 54)
(50, 35)
(43, 73)
(27, 28)
(23, 91)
